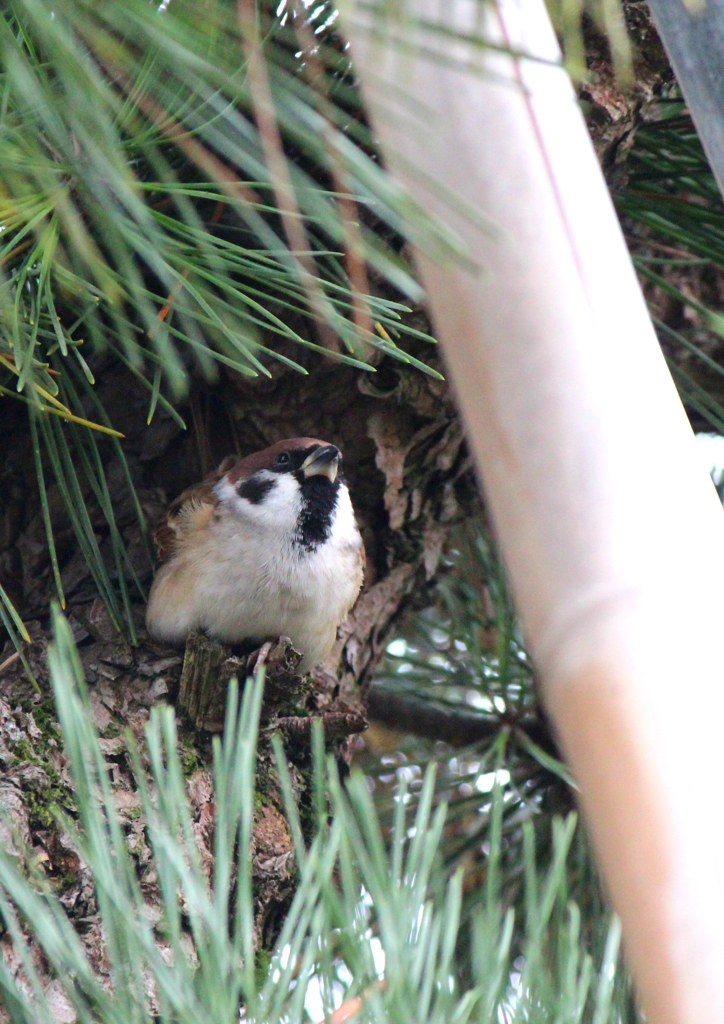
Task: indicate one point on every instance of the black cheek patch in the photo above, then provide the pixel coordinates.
(255, 490)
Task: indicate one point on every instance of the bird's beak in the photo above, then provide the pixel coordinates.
(324, 461)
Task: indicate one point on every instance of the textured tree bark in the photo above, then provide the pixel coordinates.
(410, 479)
(404, 458)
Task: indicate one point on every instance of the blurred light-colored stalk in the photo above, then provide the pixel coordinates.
(615, 544)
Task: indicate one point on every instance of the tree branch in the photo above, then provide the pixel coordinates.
(458, 728)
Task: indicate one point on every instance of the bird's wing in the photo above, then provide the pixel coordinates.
(191, 511)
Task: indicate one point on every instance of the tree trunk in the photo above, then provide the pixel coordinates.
(410, 480)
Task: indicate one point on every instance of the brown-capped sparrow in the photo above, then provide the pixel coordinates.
(267, 546)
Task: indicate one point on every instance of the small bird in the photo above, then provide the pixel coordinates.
(267, 546)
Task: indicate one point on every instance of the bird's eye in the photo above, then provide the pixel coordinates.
(282, 459)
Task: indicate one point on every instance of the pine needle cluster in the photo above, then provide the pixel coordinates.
(375, 926)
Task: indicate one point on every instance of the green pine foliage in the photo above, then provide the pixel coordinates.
(372, 919)
(671, 199)
(463, 662)
(138, 171)
(155, 208)
(144, 216)
(162, 204)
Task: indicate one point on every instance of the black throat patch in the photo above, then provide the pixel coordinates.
(319, 497)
